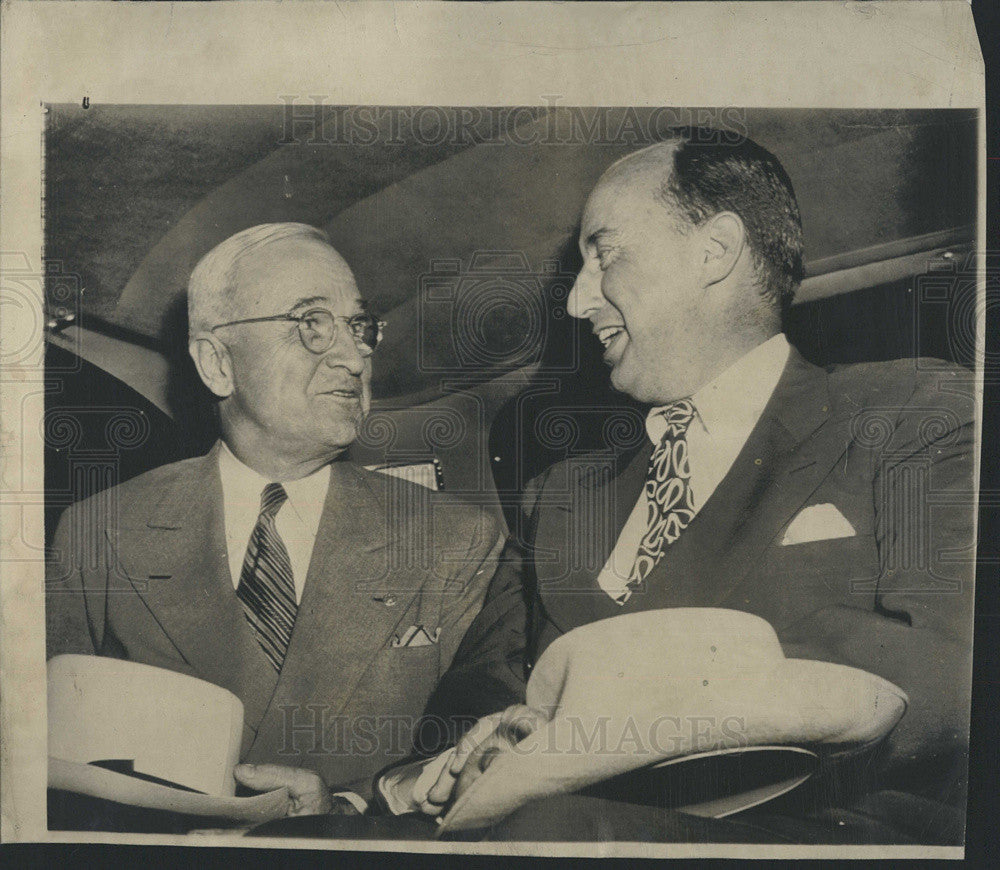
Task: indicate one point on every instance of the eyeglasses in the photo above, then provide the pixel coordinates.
(318, 328)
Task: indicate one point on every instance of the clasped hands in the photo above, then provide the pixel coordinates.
(429, 787)
(426, 786)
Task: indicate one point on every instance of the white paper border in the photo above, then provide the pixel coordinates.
(781, 54)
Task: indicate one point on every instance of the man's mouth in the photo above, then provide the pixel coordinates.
(607, 334)
(342, 393)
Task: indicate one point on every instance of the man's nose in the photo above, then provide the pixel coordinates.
(345, 352)
(585, 298)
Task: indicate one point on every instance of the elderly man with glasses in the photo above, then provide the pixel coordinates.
(273, 566)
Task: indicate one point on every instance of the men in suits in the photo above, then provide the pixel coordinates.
(836, 504)
(328, 598)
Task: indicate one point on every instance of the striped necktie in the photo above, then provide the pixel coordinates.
(266, 587)
(669, 500)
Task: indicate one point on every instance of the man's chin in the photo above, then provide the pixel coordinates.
(634, 385)
(345, 434)
(341, 415)
(624, 381)
(337, 436)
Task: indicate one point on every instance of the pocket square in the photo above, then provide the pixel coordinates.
(818, 522)
(416, 635)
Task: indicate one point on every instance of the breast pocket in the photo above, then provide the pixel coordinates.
(797, 579)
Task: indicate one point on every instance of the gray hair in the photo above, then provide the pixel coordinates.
(212, 286)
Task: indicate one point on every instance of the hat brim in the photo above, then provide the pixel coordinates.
(98, 782)
(781, 708)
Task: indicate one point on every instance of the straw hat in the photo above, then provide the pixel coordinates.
(663, 686)
(148, 737)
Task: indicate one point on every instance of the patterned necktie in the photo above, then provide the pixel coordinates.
(266, 587)
(669, 500)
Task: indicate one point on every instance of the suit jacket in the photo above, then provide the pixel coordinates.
(890, 445)
(140, 572)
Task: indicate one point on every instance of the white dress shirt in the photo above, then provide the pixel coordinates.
(726, 411)
(297, 520)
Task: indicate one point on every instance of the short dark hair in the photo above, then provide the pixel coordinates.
(715, 172)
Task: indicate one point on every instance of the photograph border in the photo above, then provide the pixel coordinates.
(927, 57)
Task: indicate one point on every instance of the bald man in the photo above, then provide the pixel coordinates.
(273, 566)
(836, 504)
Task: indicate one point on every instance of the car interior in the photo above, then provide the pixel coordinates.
(466, 246)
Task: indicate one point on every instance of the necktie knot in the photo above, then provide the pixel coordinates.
(678, 416)
(271, 500)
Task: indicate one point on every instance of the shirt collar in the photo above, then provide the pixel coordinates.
(242, 485)
(728, 404)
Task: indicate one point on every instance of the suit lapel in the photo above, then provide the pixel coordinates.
(343, 618)
(787, 455)
(176, 560)
(579, 521)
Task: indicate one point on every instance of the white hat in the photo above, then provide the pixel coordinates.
(668, 685)
(148, 737)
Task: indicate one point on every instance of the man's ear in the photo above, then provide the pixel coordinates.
(723, 242)
(215, 366)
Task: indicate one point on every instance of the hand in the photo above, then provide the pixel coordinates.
(405, 787)
(489, 737)
(308, 794)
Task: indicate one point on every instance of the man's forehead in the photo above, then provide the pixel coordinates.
(625, 191)
(291, 271)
